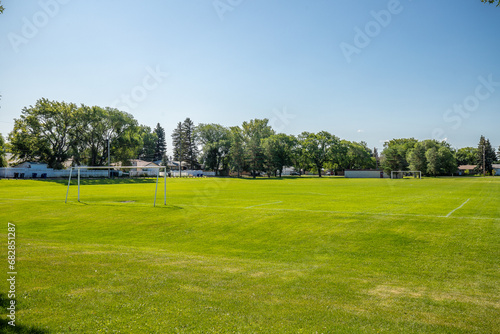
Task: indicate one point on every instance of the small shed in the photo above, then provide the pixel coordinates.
(365, 174)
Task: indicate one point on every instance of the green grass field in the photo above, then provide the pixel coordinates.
(296, 255)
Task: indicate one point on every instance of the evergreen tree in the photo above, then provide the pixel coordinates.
(189, 143)
(177, 143)
(485, 154)
(161, 144)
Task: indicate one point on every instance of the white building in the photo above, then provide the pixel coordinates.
(38, 170)
(366, 174)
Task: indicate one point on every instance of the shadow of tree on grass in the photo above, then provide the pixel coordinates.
(17, 329)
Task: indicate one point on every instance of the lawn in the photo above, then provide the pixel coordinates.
(291, 255)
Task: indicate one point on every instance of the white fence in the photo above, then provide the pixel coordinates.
(191, 173)
(42, 173)
(37, 172)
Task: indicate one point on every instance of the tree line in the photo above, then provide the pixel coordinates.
(54, 132)
(256, 148)
(437, 158)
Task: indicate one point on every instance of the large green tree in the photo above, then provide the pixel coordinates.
(89, 143)
(237, 160)
(215, 140)
(416, 156)
(44, 132)
(95, 126)
(254, 132)
(467, 156)
(149, 143)
(53, 132)
(440, 161)
(278, 150)
(319, 148)
(125, 136)
(395, 153)
(355, 156)
(1, 8)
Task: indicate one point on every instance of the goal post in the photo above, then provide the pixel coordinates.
(90, 168)
(404, 174)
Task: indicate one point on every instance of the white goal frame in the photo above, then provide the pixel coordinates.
(416, 174)
(158, 168)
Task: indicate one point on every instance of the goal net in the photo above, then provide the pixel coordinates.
(406, 174)
(121, 171)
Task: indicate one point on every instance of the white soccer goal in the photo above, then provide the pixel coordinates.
(87, 169)
(416, 174)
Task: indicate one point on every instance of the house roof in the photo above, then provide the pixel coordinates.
(467, 167)
(142, 163)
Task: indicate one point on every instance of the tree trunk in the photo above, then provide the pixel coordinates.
(319, 169)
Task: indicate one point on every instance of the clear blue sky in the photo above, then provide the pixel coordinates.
(423, 69)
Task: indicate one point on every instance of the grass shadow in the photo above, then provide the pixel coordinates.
(91, 182)
(17, 329)
(272, 178)
(290, 177)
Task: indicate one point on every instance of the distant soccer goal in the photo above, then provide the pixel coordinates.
(90, 171)
(406, 174)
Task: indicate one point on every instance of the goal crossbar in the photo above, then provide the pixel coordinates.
(416, 174)
(158, 168)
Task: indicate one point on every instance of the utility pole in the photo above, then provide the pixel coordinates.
(484, 160)
(109, 159)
